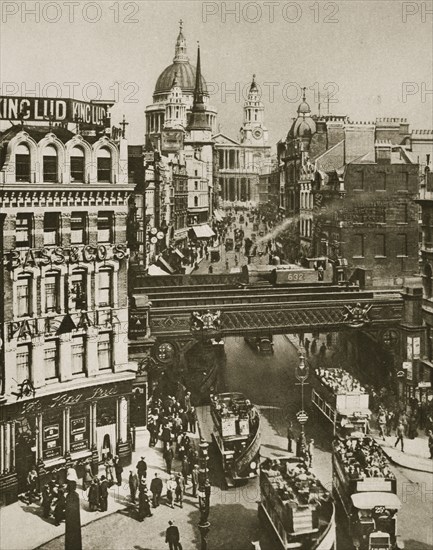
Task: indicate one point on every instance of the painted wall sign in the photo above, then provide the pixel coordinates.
(58, 256)
(55, 109)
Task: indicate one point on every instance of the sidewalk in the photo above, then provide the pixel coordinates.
(416, 453)
(22, 526)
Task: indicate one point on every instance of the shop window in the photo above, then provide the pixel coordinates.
(24, 230)
(78, 290)
(78, 228)
(104, 287)
(52, 292)
(105, 227)
(78, 356)
(79, 428)
(104, 352)
(51, 228)
(22, 163)
(52, 434)
(104, 165)
(24, 294)
(23, 363)
(51, 360)
(77, 165)
(50, 164)
(401, 244)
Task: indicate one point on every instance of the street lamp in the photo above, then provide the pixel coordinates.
(203, 493)
(302, 372)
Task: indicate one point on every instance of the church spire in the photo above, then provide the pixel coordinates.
(180, 54)
(198, 120)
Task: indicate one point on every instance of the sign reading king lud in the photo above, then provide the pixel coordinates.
(44, 109)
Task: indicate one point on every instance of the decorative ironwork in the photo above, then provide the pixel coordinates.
(206, 324)
(357, 315)
(25, 389)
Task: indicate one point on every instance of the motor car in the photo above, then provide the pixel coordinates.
(260, 344)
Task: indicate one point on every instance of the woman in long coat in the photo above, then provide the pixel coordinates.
(88, 476)
(94, 495)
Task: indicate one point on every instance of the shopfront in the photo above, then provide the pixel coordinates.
(61, 430)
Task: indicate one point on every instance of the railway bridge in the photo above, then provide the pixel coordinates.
(170, 315)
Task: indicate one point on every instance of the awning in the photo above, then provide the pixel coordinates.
(166, 266)
(155, 270)
(368, 500)
(203, 231)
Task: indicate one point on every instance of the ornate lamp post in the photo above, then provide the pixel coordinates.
(203, 493)
(302, 372)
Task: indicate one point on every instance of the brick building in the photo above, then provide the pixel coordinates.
(65, 375)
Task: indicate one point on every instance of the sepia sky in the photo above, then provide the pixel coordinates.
(374, 57)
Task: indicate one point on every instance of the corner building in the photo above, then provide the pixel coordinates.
(65, 376)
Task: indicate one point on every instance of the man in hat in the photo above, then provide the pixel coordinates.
(156, 489)
(141, 469)
(172, 537)
(103, 494)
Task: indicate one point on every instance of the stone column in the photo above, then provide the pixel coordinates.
(91, 351)
(13, 445)
(37, 362)
(123, 419)
(65, 357)
(39, 437)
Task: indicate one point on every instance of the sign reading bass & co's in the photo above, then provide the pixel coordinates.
(60, 255)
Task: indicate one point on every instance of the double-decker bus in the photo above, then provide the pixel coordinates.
(237, 435)
(296, 506)
(365, 487)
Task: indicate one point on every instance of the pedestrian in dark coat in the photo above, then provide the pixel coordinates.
(141, 469)
(322, 351)
(172, 537)
(46, 500)
(168, 457)
(192, 419)
(103, 494)
(186, 468)
(59, 510)
(156, 489)
(133, 485)
(118, 468)
(94, 495)
(143, 504)
(166, 436)
(184, 418)
(430, 442)
(314, 346)
(307, 346)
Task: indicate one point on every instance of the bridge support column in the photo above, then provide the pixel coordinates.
(412, 343)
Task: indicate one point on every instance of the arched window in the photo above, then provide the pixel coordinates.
(52, 289)
(50, 164)
(104, 165)
(427, 280)
(78, 290)
(77, 165)
(195, 201)
(22, 163)
(24, 295)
